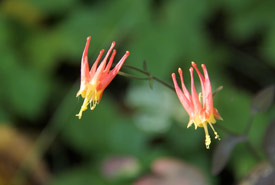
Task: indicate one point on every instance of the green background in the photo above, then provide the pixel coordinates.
(41, 43)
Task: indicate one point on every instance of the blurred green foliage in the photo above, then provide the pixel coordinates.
(41, 44)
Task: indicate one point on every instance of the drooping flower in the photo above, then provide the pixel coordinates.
(95, 80)
(199, 107)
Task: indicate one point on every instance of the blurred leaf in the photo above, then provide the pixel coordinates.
(223, 151)
(26, 90)
(79, 176)
(232, 105)
(52, 6)
(33, 90)
(185, 142)
(85, 175)
(263, 174)
(176, 37)
(242, 161)
(151, 115)
(45, 50)
(105, 22)
(247, 18)
(263, 100)
(268, 47)
(104, 130)
(258, 129)
(269, 142)
(5, 33)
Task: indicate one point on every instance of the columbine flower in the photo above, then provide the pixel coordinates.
(200, 111)
(94, 82)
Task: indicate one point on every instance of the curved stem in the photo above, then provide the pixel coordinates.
(136, 69)
(151, 77)
(131, 76)
(163, 83)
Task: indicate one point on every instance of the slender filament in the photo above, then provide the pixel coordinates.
(216, 134)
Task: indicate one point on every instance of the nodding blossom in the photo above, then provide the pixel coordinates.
(95, 80)
(199, 107)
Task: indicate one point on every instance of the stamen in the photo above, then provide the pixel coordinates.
(94, 102)
(207, 137)
(207, 141)
(189, 123)
(92, 105)
(216, 134)
(196, 126)
(83, 108)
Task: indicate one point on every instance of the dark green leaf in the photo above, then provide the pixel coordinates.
(263, 100)
(26, 90)
(223, 151)
(80, 176)
(269, 142)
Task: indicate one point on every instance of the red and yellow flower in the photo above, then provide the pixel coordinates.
(199, 107)
(95, 80)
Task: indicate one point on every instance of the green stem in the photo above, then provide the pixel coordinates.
(163, 83)
(131, 76)
(136, 69)
(151, 77)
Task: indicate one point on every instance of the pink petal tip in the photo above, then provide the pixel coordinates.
(113, 44)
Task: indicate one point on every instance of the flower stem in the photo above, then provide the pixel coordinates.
(151, 77)
(163, 83)
(131, 76)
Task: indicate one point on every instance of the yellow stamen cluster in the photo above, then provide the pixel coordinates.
(92, 97)
(207, 136)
